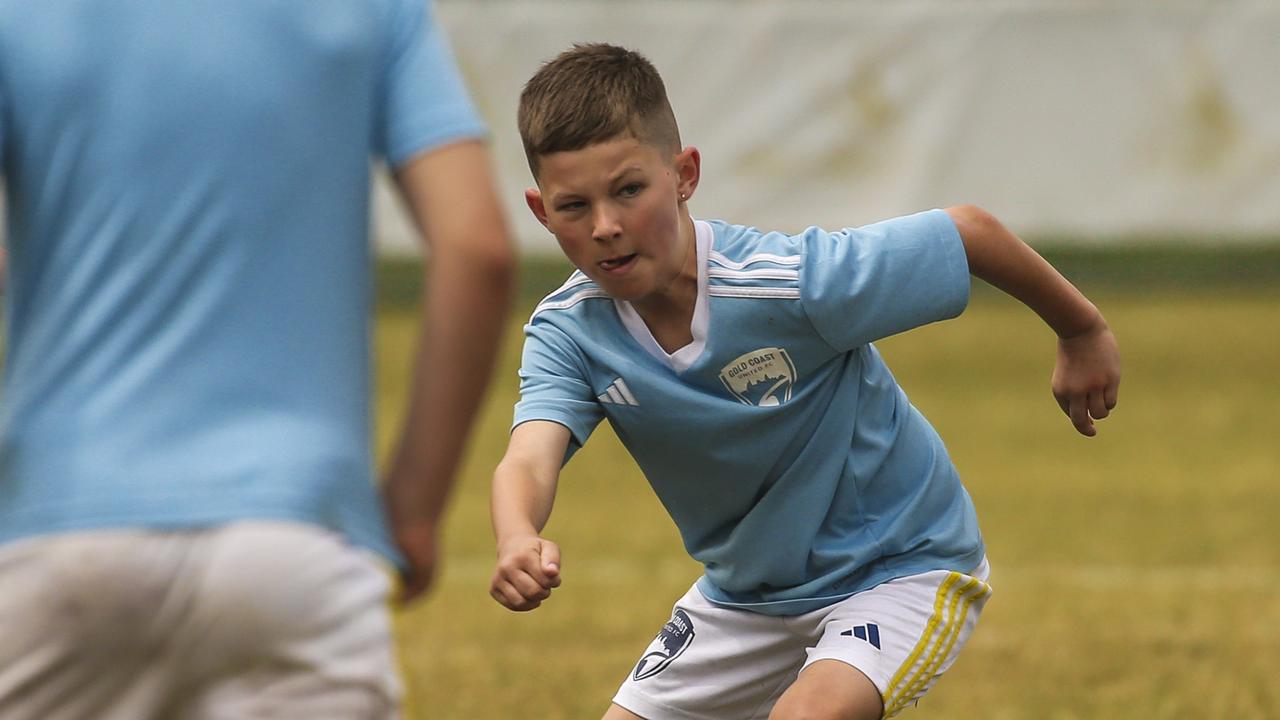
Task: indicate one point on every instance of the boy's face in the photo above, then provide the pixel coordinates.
(616, 209)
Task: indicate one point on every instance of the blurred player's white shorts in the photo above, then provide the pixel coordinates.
(713, 662)
(248, 620)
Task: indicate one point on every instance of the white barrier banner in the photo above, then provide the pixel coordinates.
(1078, 119)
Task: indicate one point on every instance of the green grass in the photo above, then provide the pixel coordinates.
(1126, 267)
(1136, 574)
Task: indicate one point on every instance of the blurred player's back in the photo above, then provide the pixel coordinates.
(184, 433)
(188, 190)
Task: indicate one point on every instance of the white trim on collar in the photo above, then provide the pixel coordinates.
(683, 358)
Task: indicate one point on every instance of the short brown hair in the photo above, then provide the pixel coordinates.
(593, 93)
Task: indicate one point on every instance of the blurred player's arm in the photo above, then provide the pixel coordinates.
(467, 288)
(1086, 378)
(524, 489)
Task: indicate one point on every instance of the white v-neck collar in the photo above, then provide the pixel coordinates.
(683, 358)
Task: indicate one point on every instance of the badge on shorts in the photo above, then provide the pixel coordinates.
(676, 635)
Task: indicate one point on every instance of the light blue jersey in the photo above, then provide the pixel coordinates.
(187, 193)
(791, 461)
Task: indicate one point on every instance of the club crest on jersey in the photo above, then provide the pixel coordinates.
(676, 636)
(761, 377)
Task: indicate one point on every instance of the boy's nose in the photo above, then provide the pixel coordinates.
(605, 225)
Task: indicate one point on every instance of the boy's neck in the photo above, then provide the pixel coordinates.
(669, 314)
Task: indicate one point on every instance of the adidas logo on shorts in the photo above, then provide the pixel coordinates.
(869, 632)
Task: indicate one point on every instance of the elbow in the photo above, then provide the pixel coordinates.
(504, 268)
(499, 262)
(986, 240)
(495, 274)
(485, 258)
(489, 248)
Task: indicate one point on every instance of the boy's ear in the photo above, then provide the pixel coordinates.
(688, 165)
(533, 198)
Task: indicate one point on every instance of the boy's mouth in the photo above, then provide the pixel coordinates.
(615, 264)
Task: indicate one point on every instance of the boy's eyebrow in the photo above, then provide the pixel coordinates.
(623, 172)
(560, 197)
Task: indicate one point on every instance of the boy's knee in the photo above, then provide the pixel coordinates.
(830, 690)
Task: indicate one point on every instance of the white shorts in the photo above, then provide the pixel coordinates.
(249, 620)
(711, 662)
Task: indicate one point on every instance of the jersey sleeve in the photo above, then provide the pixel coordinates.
(862, 284)
(554, 385)
(423, 102)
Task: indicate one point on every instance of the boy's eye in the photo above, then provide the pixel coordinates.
(630, 190)
(571, 206)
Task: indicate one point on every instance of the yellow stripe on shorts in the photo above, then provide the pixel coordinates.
(947, 637)
(939, 603)
(941, 632)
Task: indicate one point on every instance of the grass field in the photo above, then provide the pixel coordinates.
(1136, 574)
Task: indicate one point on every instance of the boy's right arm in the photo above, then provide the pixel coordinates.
(1086, 378)
(524, 488)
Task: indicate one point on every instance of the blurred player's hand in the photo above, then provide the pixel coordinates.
(413, 511)
(1086, 378)
(419, 543)
(528, 569)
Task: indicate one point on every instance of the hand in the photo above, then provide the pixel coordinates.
(528, 569)
(419, 543)
(415, 528)
(1086, 379)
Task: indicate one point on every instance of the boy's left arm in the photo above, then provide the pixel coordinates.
(1086, 379)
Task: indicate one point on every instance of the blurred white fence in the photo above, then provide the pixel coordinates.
(1087, 120)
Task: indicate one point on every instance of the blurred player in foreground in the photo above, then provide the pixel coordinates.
(844, 568)
(189, 526)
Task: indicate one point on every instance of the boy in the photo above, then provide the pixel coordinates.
(844, 566)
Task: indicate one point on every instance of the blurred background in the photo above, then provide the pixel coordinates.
(1135, 144)
(1087, 120)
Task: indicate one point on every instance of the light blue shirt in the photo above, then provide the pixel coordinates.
(187, 190)
(790, 459)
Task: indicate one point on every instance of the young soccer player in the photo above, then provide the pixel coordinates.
(844, 569)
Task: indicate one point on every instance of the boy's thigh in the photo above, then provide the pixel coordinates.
(140, 624)
(711, 662)
(905, 633)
